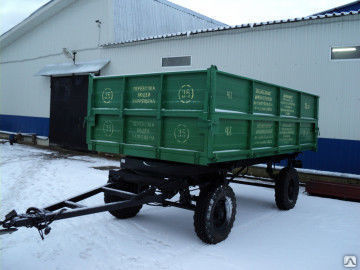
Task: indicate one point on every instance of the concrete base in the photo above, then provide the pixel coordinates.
(27, 139)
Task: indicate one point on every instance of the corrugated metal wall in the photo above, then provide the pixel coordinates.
(144, 18)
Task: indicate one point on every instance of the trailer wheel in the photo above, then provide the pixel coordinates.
(125, 212)
(215, 213)
(286, 188)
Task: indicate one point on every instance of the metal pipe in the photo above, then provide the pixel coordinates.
(32, 219)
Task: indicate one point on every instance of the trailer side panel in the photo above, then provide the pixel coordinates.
(198, 117)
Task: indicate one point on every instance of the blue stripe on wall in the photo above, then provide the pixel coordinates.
(334, 155)
(25, 124)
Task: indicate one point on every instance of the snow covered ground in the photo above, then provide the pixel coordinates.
(314, 235)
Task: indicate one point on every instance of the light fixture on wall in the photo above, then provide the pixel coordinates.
(69, 54)
(345, 52)
(344, 49)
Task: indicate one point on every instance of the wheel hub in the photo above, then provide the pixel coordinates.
(291, 190)
(222, 212)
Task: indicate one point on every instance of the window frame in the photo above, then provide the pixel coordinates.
(176, 66)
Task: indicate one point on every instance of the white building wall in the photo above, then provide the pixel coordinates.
(296, 57)
(22, 93)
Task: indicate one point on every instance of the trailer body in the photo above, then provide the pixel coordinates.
(198, 117)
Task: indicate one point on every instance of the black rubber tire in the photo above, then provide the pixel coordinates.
(210, 226)
(286, 188)
(126, 212)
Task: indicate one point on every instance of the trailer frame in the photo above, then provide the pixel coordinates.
(161, 186)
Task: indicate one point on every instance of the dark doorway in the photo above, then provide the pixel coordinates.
(68, 109)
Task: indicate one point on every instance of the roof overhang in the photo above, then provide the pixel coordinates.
(66, 69)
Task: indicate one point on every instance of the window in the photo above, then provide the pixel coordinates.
(349, 52)
(176, 61)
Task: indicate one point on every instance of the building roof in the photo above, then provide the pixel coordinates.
(54, 6)
(353, 6)
(190, 12)
(229, 28)
(136, 19)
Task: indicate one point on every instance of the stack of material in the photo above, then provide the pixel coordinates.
(337, 190)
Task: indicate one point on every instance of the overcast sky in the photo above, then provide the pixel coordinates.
(231, 12)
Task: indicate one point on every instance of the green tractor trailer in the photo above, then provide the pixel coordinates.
(181, 130)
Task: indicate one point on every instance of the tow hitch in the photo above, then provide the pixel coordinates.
(42, 218)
